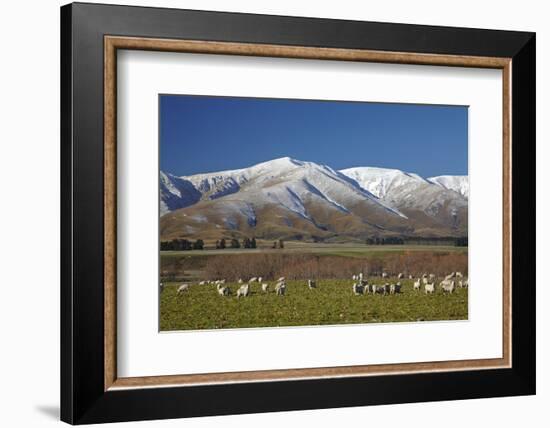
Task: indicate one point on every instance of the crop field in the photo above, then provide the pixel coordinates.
(333, 302)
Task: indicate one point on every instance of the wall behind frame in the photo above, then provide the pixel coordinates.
(29, 173)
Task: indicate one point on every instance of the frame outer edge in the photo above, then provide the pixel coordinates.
(66, 146)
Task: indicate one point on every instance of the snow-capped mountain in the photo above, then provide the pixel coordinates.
(458, 183)
(295, 199)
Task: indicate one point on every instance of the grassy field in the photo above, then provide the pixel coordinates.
(331, 303)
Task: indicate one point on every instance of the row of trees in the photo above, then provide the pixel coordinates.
(181, 245)
(234, 243)
(393, 240)
(221, 244)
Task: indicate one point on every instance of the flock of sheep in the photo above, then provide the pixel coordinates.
(361, 286)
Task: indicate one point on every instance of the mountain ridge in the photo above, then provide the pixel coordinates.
(296, 199)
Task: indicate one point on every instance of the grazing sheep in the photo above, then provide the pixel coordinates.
(281, 279)
(202, 282)
(383, 289)
(358, 289)
(183, 288)
(458, 274)
(280, 289)
(425, 280)
(311, 284)
(223, 291)
(395, 288)
(448, 287)
(244, 290)
(425, 275)
(416, 285)
(384, 274)
(265, 287)
(254, 279)
(450, 276)
(259, 279)
(400, 276)
(429, 288)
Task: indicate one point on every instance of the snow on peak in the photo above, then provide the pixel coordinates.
(456, 183)
(380, 181)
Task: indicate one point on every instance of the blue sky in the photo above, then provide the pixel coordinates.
(206, 134)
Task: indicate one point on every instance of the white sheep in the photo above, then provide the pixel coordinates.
(223, 291)
(429, 288)
(280, 288)
(259, 279)
(400, 276)
(253, 279)
(458, 274)
(425, 280)
(448, 287)
(357, 289)
(416, 285)
(431, 276)
(354, 277)
(240, 281)
(425, 275)
(281, 279)
(384, 274)
(202, 282)
(265, 287)
(450, 276)
(411, 277)
(183, 288)
(244, 290)
(395, 288)
(311, 284)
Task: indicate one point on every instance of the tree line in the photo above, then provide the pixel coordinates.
(394, 240)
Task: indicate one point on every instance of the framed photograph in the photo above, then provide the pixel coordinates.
(266, 213)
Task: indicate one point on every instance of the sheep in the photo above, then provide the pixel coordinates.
(183, 288)
(416, 285)
(400, 276)
(223, 291)
(202, 282)
(395, 288)
(458, 274)
(425, 280)
(384, 274)
(253, 279)
(465, 283)
(448, 287)
(161, 287)
(429, 288)
(259, 279)
(450, 276)
(244, 290)
(431, 276)
(424, 275)
(360, 276)
(240, 281)
(265, 287)
(280, 289)
(354, 277)
(311, 284)
(281, 279)
(357, 289)
(365, 282)
(411, 277)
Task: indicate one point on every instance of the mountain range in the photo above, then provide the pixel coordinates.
(291, 199)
